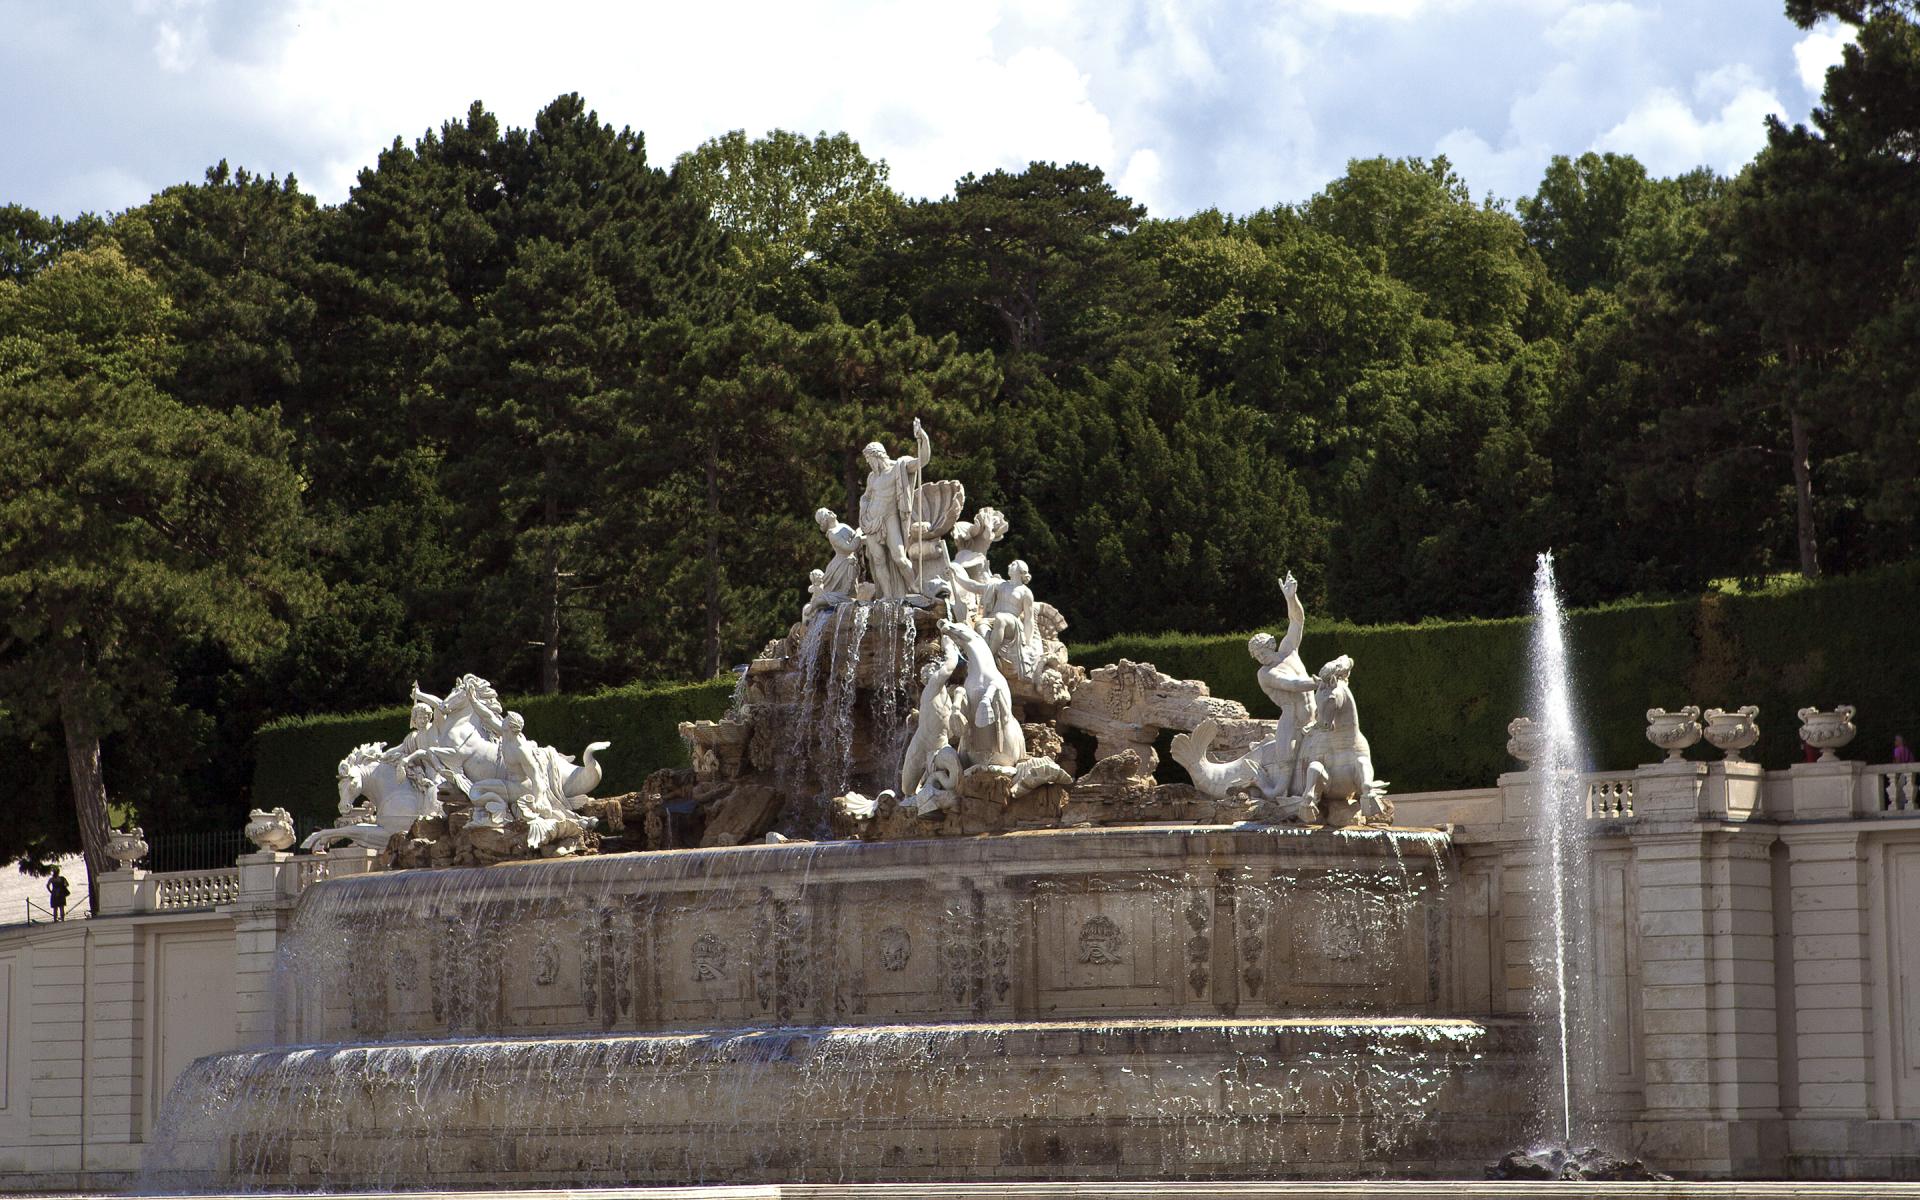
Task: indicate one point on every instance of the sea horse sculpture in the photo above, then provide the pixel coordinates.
(1339, 764)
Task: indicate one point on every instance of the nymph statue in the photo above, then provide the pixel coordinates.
(1316, 755)
(842, 574)
(1010, 624)
(941, 725)
(971, 541)
(994, 736)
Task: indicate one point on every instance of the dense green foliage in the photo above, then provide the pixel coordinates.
(527, 403)
(295, 756)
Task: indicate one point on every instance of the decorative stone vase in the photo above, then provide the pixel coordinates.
(1827, 731)
(270, 828)
(1732, 732)
(126, 846)
(1526, 740)
(1674, 731)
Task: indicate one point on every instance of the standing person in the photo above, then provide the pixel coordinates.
(57, 893)
(1902, 753)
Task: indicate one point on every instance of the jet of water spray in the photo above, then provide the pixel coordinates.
(1559, 814)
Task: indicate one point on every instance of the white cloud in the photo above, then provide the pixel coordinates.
(1512, 171)
(1141, 178)
(1185, 103)
(1591, 25)
(1664, 132)
(354, 74)
(1400, 9)
(1819, 50)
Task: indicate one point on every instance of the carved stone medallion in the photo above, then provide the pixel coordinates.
(709, 959)
(896, 948)
(1100, 941)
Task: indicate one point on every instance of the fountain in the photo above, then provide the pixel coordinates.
(918, 910)
(1560, 820)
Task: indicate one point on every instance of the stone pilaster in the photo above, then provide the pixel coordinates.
(57, 1070)
(116, 1049)
(1668, 790)
(1707, 994)
(1832, 971)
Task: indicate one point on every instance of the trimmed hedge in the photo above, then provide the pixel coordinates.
(1434, 698)
(295, 758)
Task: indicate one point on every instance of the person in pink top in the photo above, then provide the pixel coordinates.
(1902, 753)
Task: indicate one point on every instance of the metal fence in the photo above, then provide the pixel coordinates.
(206, 850)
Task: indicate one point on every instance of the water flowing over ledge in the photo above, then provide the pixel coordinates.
(1200, 1098)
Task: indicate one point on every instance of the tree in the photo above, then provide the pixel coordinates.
(1808, 13)
(1469, 263)
(1031, 266)
(1142, 480)
(234, 255)
(1579, 218)
(1822, 225)
(787, 204)
(128, 521)
(488, 295)
(30, 242)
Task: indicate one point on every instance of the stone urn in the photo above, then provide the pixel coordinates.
(1732, 732)
(126, 846)
(1526, 740)
(1674, 731)
(270, 828)
(1827, 731)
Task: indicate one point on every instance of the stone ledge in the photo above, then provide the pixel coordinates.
(1118, 1190)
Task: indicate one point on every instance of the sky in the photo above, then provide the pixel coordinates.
(1186, 104)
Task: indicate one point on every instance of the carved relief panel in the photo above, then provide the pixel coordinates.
(1106, 945)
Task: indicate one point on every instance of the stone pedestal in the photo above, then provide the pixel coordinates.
(1731, 791)
(1516, 797)
(128, 890)
(1825, 791)
(1669, 790)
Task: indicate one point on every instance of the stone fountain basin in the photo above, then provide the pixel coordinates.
(1165, 923)
(1168, 1099)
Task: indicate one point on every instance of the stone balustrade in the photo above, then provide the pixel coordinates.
(175, 890)
(1610, 795)
(1893, 790)
(274, 877)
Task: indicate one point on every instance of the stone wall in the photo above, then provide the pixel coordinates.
(1757, 949)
